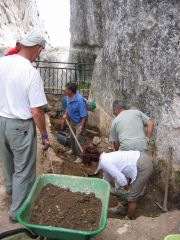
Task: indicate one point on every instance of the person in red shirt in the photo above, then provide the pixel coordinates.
(14, 50)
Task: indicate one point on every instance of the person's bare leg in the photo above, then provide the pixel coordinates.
(131, 209)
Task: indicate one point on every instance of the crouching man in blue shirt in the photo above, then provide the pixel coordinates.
(77, 113)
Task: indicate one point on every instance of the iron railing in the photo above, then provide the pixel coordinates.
(56, 74)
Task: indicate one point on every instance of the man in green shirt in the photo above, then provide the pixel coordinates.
(128, 128)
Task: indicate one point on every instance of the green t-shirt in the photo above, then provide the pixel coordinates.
(128, 128)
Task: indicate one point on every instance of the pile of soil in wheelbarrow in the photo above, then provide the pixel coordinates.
(60, 207)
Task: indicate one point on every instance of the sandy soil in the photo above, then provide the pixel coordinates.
(146, 206)
(143, 228)
(57, 207)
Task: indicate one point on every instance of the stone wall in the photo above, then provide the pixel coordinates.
(137, 50)
(16, 18)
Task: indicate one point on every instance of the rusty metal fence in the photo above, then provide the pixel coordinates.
(56, 74)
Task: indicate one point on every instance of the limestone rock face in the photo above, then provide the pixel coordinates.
(86, 18)
(16, 18)
(137, 59)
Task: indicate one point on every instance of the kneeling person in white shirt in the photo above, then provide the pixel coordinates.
(125, 166)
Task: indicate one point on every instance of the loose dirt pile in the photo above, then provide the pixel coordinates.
(146, 206)
(62, 208)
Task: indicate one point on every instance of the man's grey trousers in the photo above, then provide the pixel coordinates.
(18, 148)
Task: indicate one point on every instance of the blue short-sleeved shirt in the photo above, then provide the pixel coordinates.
(77, 108)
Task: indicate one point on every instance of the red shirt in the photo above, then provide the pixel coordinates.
(12, 51)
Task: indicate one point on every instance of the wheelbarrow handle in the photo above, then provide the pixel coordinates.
(17, 231)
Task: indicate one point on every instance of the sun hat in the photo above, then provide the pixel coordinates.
(33, 38)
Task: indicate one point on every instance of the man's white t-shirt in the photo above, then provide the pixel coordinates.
(120, 165)
(21, 88)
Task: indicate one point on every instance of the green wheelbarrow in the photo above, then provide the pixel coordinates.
(76, 184)
(173, 237)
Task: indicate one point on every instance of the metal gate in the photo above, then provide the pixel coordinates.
(56, 74)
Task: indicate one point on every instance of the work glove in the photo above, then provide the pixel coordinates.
(45, 141)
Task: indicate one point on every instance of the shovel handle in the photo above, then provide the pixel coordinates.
(91, 131)
(74, 136)
(167, 177)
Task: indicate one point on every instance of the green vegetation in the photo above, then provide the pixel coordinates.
(84, 85)
(82, 57)
(84, 65)
(79, 60)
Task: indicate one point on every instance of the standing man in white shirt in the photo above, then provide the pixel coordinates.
(22, 97)
(124, 167)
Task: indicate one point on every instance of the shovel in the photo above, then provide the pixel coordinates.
(164, 206)
(75, 138)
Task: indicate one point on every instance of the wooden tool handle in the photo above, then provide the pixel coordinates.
(167, 177)
(90, 131)
(74, 136)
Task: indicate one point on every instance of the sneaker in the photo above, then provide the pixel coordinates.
(78, 160)
(116, 191)
(70, 152)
